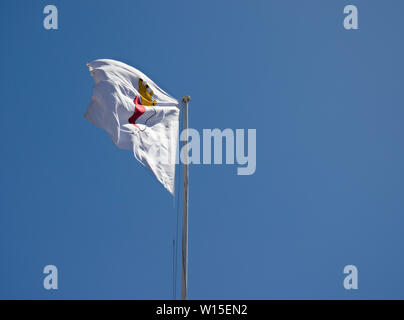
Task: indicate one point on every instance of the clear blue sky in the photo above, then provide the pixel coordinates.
(328, 191)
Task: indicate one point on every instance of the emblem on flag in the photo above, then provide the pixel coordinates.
(145, 99)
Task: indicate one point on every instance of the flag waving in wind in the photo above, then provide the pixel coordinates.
(137, 115)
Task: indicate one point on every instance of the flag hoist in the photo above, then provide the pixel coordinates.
(141, 117)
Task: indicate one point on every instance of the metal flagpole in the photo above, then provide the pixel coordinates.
(184, 273)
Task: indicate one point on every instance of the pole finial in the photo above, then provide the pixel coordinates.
(186, 98)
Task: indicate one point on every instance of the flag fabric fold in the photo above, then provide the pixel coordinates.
(137, 115)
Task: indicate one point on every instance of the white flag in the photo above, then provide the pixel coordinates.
(137, 115)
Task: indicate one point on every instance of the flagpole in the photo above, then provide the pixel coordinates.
(184, 273)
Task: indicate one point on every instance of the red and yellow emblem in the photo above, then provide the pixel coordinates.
(145, 99)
